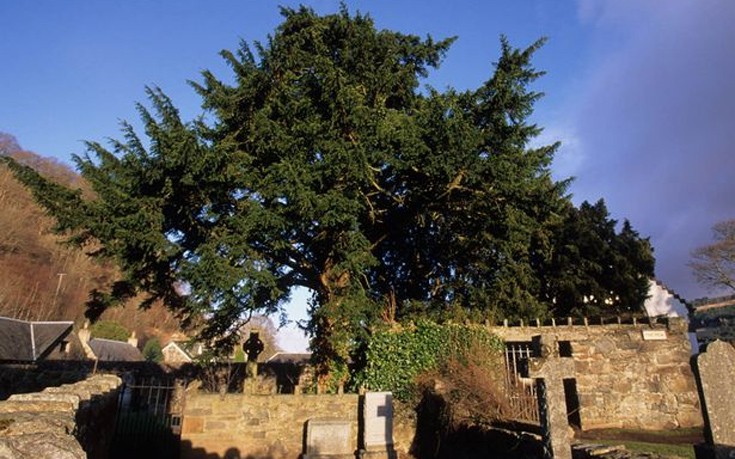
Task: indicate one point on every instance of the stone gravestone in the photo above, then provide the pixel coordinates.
(329, 438)
(717, 376)
(378, 425)
(550, 370)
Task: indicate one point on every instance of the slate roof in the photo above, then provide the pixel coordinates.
(25, 341)
(115, 351)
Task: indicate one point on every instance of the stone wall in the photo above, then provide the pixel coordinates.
(635, 375)
(27, 378)
(70, 421)
(272, 426)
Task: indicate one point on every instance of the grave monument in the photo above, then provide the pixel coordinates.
(378, 426)
(328, 439)
(717, 378)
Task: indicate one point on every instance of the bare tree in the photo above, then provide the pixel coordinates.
(714, 265)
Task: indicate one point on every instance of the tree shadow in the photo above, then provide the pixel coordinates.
(190, 452)
(434, 438)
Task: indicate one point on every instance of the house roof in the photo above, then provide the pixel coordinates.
(684, 301)
(114, 351)
(26, 341)
(190, 350)
(299, 358)
(180, 347)
(703, 304)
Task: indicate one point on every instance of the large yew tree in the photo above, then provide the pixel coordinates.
(327, 165)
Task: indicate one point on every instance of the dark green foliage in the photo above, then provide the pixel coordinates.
(152, 351)
(394, 358)
(109, 329)
(324, 166)
(594, 270)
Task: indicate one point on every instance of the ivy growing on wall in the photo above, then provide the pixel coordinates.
(395, 357)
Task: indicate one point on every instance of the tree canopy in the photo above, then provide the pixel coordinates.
(325, 165)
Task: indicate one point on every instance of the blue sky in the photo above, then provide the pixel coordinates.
(641, 93)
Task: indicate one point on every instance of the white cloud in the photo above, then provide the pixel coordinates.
(570, 156)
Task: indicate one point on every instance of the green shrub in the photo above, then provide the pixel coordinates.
(152, 351)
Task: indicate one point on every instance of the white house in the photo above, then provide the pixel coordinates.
(664, 302)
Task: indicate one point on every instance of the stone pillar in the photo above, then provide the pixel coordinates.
(549, 371)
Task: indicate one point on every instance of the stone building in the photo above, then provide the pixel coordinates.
(636, 375)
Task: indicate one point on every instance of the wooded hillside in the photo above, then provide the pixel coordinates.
(43, 279)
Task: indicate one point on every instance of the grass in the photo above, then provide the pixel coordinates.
(683, 451)
(667, 436)
(673, 442)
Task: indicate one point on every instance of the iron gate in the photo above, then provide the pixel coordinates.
(148, 421)
(522, 395)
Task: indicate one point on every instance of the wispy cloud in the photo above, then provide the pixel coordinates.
(570, 157)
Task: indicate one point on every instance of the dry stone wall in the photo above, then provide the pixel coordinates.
(635, 376)
(67, 422)
(272, 426)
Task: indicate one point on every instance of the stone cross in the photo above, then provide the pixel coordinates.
(252, 348)
(717, 377)
(549, 370)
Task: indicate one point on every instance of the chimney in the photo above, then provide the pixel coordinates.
(84, 337)
(133, 340)
(85, 333)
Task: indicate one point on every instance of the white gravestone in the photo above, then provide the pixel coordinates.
(378, 425)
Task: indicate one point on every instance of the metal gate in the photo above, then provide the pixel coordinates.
(148, 421)
(522, 395)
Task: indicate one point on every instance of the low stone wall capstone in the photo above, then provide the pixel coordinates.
(71, 421)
